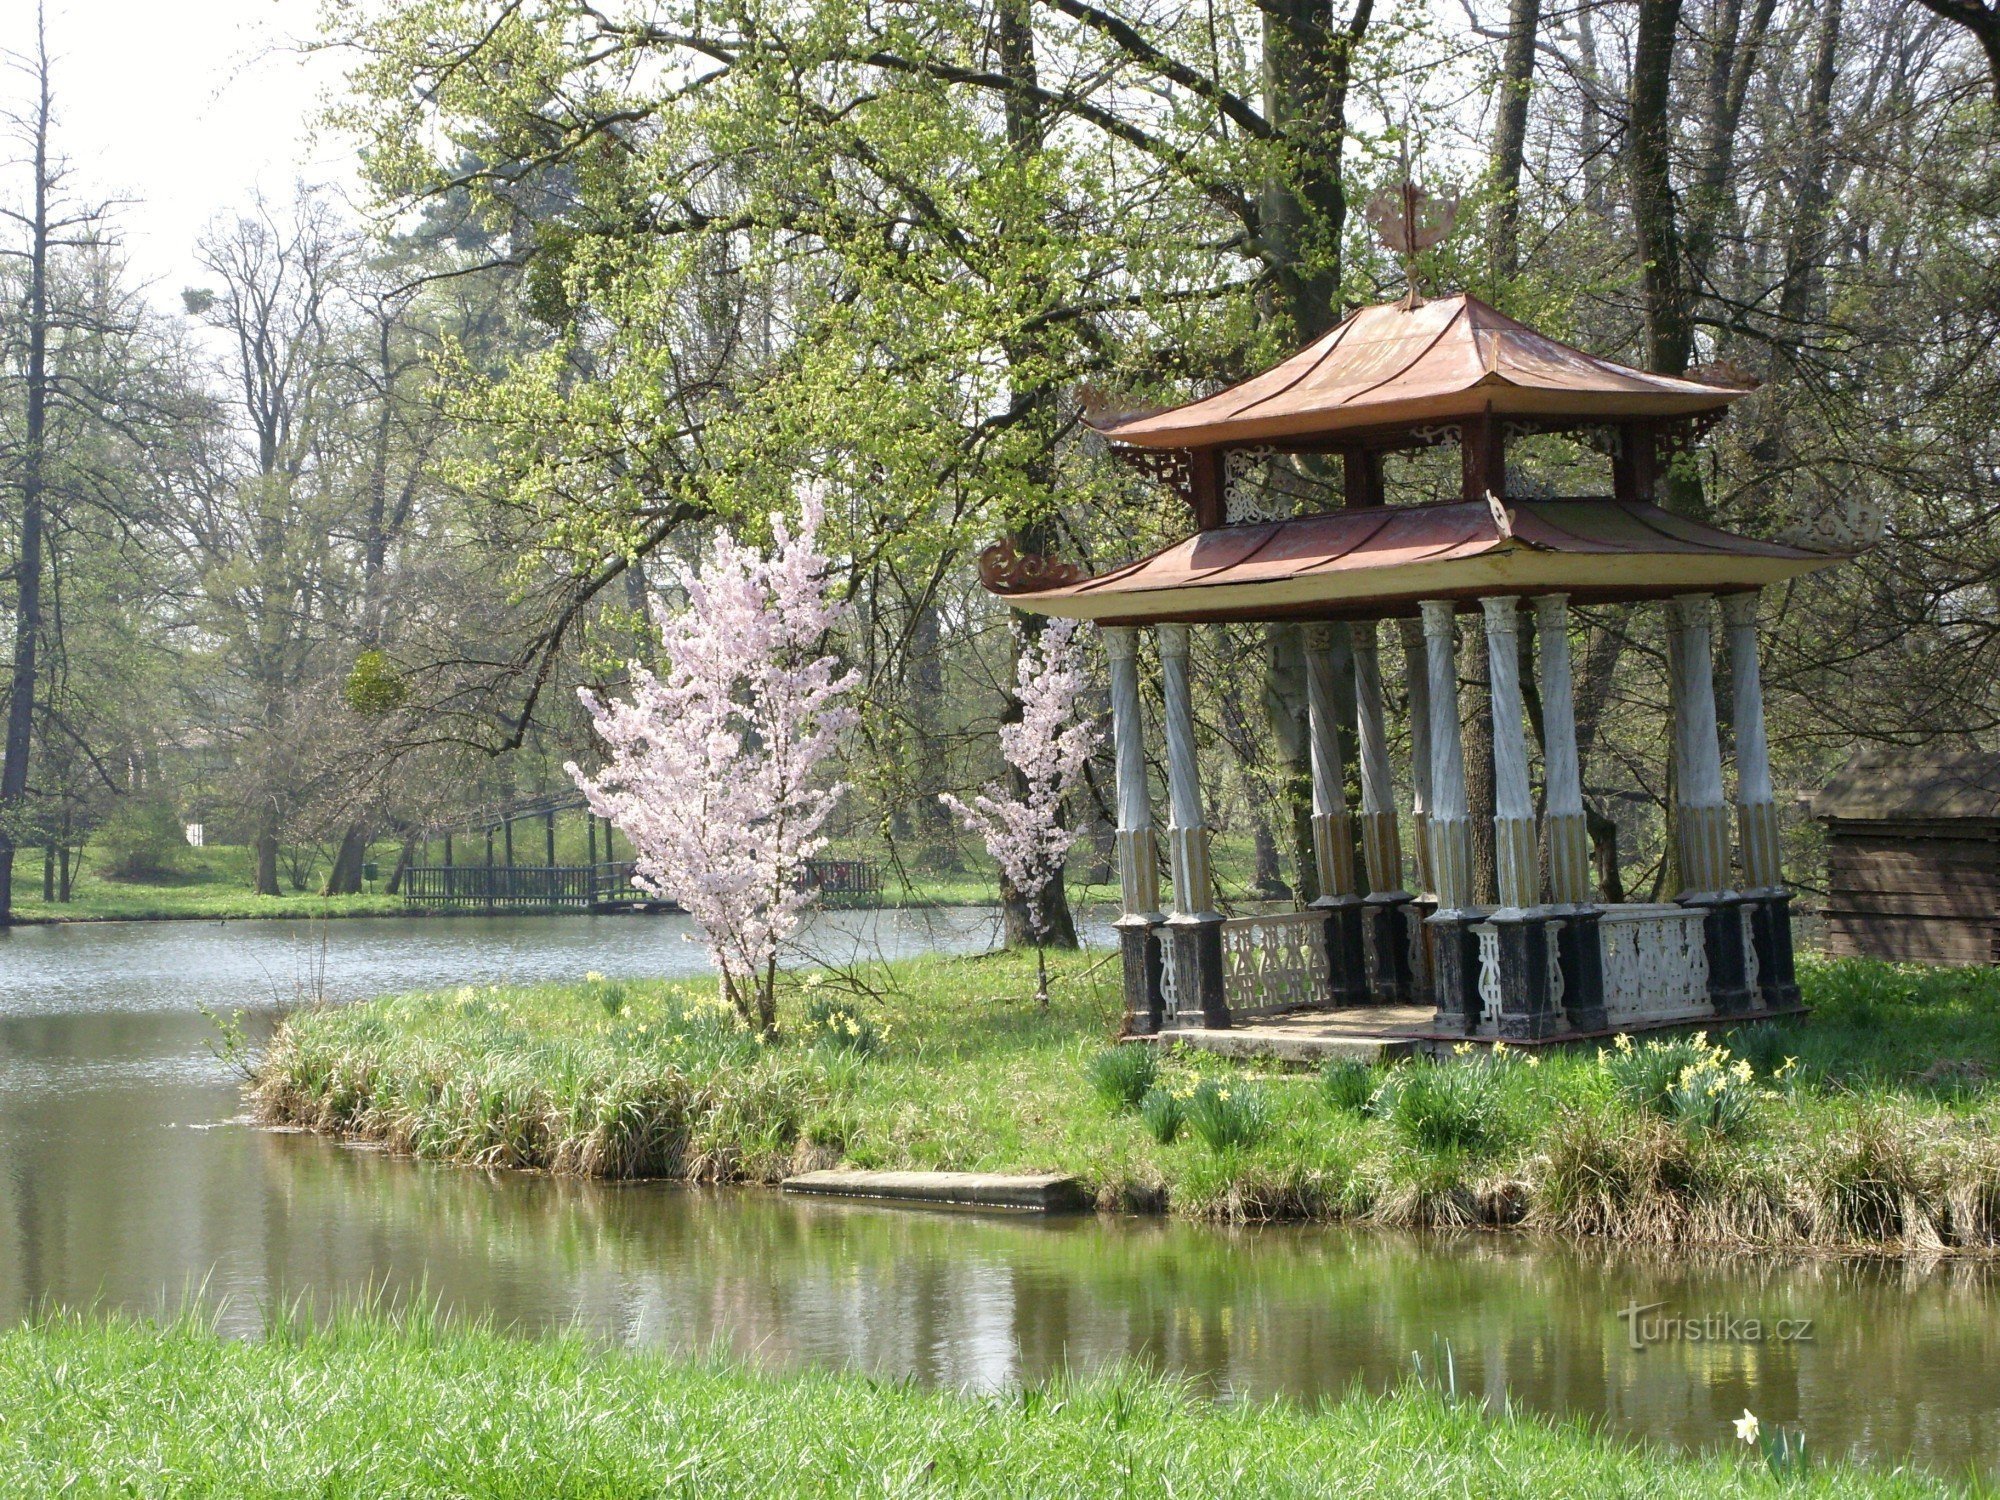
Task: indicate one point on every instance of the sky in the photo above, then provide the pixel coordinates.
(185, 107)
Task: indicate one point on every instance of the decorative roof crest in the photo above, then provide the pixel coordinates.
(1408, 221)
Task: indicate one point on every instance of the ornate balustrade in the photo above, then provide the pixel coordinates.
(1655, 964)
(1274, 963)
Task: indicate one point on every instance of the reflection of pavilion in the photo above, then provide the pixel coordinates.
(1548, 960)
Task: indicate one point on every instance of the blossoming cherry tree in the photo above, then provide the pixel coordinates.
(1049, 747)
(712, 768)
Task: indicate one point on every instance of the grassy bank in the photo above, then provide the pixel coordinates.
(364, 1406)
(1875, 1123)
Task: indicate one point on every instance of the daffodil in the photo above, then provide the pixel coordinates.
(1463, 1049)
(1746, 1426)
(1623, 1042)
(1533, 1061)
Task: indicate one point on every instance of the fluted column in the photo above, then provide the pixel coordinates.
(1338, 900)
(1138, 853)
(1517, 866)
(1194, 930)
(1700, 812)
(1756, 803)
(1450, 818)
(1455, 960)
(1417, 671)
(1388, 933)
(1703, 846)
(1757, 814)
(1568, 837)
(1333, 830)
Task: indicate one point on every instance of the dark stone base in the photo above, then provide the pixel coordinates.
(1722, 936)
(1198, 970)
(1528, 1008)
(1580, 953)
(1770, 915)
(1346, 953)
(1139, 951)
(1455, 958)
(1386, 937)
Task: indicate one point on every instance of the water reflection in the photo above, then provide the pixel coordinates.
(119, 1185)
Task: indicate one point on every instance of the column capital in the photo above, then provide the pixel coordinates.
(1439, 615)
(1739, 610)
(1173, 639)
(1503, 614)
(1319, 635)
(1692, 611)
(1121, 642)
(1551, 611)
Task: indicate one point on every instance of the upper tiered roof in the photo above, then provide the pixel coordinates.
(1387, 365)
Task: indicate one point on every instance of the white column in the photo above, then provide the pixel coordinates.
(1568, 837)
(1333, 833)
(1756, 803)
(1703, 844)
(1381, 847)
(1417, 670)
(1451, 822)
(1517, 869)
(1187, 834)
(1138, 853)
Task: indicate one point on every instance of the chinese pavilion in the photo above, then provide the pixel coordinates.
(1548, 961)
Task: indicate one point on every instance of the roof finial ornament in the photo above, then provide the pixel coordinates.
(1409, 221)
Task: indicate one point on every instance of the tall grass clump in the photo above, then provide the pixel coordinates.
(1348, 1084)
(1690, 1081)
(1163, 1112)
(1227, 1114)
(1445, 1106)
(1122, 1075)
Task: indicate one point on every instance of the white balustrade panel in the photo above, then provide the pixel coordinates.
(1274, 963)
(1655, 965)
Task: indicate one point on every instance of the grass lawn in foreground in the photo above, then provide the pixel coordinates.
(1874, 1123)
(365, 1406)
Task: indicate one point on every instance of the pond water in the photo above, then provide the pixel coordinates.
(128, 1180)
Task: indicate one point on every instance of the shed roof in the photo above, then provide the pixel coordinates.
(1375, 561)
(1384, 365)
(1888, 783)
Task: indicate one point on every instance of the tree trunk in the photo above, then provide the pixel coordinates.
(267, 854)
(1669, 310)
(1510, 136)
(344, 879)
(28, 561)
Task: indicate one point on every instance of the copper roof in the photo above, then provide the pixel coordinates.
(1380, 560)
(1447, 359)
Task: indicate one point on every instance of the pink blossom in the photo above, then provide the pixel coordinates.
(711, 769)
(1049, 747)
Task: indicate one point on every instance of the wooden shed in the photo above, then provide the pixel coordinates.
(1913, 856)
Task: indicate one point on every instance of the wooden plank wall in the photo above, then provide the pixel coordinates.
(1913, 891)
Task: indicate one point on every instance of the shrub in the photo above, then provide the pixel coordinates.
(1646, 1075)
(142, 840)
(1122, 1075)
(1227, 1114)
(1162, 1112)
(1443, 1106)
(1348, 1084)
(1691, 1081)
(838, 1022)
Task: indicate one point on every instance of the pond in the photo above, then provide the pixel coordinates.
(127, 1179)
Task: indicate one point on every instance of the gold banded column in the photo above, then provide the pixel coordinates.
(1386, 921)
(1455, 957)
(1138, 852)
(1517, 864)
(1194, 929)
(1333, 829)
(1417, 674)
(1757, 814)
(1563, 820)
(1702, 842)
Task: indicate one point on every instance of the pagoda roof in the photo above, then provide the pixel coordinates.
(1388, 365)
(1376, 561)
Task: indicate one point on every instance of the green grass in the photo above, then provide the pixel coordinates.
(362, 1405)
(1875, 1123)
(215, 883)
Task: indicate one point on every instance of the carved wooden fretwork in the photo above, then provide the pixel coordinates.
(1433, 433)
(1845, 523)
(1274, 963)
(1170, 984)
(1751, 972)
(1173, 467)
(1006, 571)
(1655, 964)
(1683, 433)
(1558, 983)
(1491, 994)
(1250, 488)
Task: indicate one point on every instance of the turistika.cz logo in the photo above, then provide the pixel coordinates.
(1649, 1325)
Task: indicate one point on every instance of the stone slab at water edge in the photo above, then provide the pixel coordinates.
(1045, 1192)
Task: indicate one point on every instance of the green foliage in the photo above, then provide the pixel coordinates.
(1447, 1106)
(836, 1021)
(1227, 1114)
(374, 686)
(1123, 1075)
(1348, 1084)
(1163, 1114)
(1694, 1083)
(369, 1404)
(142, 840)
